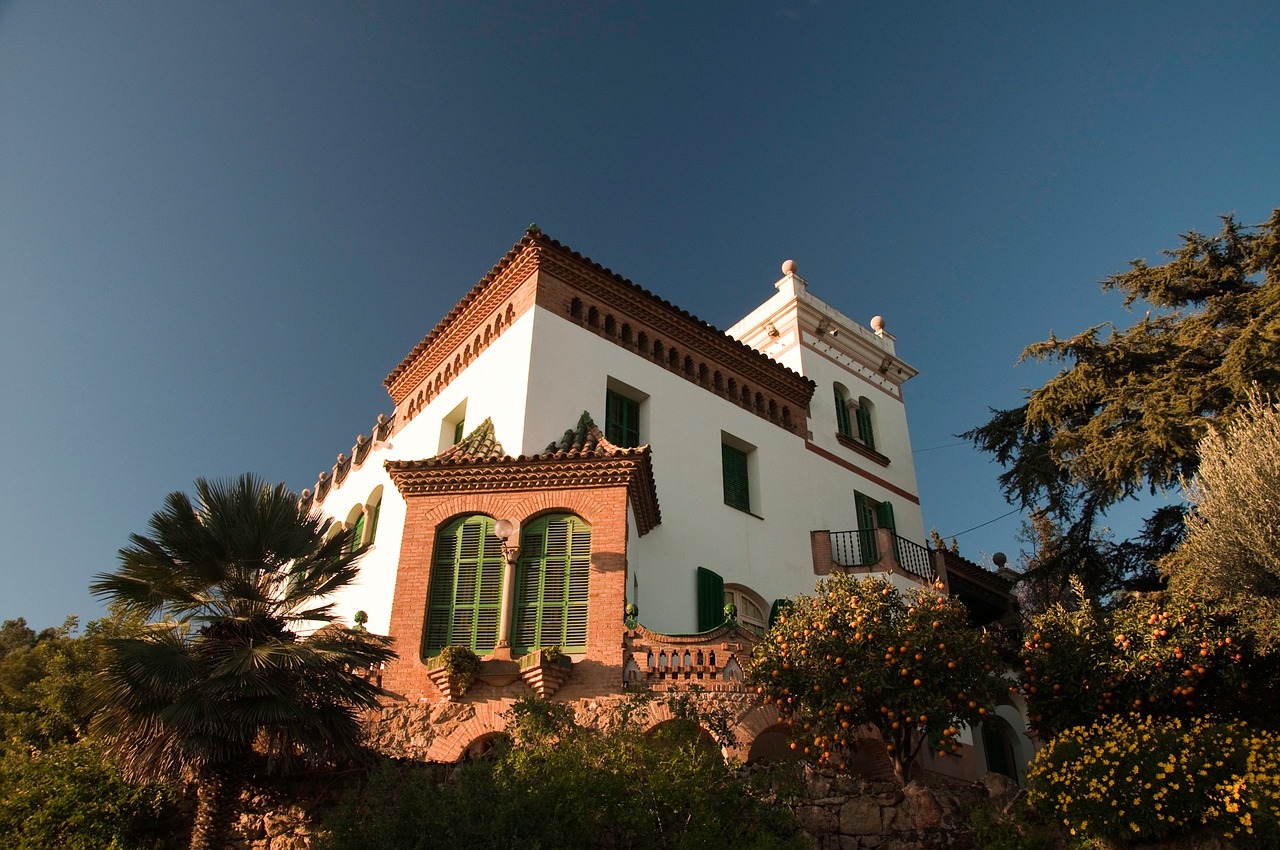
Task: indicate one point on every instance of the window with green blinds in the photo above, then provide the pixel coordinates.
(865, 433)
(459, 431)
(357, 533)
(843, 425)
(465, 597)
(865, 509)
(737, 487)
(553, 585)
(621, 420)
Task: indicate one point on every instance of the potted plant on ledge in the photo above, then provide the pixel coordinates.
(546, 669)
(454, 670)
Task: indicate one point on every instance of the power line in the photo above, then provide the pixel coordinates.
(947, 446)
(988, 522)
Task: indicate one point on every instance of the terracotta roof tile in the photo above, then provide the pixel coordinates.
(585, 438)
(535, 236)
(480, 444)
(583, 454)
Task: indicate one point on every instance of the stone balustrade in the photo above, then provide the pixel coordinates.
(712, 660)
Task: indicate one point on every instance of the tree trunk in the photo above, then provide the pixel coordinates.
(217, 803)
(901, 770)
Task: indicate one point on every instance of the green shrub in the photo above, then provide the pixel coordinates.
(566, 786)
(1146, 778)
(68, 796)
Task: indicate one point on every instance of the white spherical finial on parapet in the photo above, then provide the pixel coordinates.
(789, 276)
(877, 325)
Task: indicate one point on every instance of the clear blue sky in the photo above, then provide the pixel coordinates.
(222, 224)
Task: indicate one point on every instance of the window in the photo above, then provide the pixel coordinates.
(871, 515)
(622, 420)
(354, 525)
(751, 611)
(843, 426)
(357, 533)
(863, 414)
(552, 585)
(454, 426)
(465, 596)
(737, 484)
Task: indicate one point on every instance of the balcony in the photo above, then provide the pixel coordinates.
(873, 550)
(878, 551)
(712, 660)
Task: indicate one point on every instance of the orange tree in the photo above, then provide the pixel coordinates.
(864, 652)
(1154, 655)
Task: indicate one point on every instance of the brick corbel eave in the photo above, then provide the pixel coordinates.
(535, 250)
(630, 468)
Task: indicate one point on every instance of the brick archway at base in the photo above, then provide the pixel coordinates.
(749, 726)
(489, 717)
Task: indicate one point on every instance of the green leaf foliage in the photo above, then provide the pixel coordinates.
(68, 796)
(1157, 655)
(240, 655)
(45, 678)
(865, 652)
(1126, 413)
(563, 785)
(1132, 778)
(1231, 552)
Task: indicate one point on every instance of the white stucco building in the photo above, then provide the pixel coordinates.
(799, 404)
(566, 445)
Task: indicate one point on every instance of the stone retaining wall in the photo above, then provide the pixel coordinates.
(839, 812)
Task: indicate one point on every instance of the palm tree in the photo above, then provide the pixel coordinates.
(240, 660)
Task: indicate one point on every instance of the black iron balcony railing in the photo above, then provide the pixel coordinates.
(854, 548)
(863, 548)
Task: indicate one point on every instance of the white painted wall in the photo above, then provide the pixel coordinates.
(794, 490)
(493, 386)
(535, 380)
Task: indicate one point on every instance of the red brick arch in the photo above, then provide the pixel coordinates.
(488, 718)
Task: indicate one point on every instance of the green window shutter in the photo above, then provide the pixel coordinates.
(864, 427)
(373, 522)
(621, 420)
(884, 517)
(710, 599)
(458, 431)
(842, 415)
(775, 610)
(465, 600)
(357, 533)
(553, 583)
(866, 513)
(737, 487)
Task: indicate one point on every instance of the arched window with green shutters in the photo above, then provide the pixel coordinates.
(553, 584)
(866, 431)
(843, 424)
(357, 533)
(465, 597)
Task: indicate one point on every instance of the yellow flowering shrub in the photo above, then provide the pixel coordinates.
(1146, 778)
(1248, 804)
